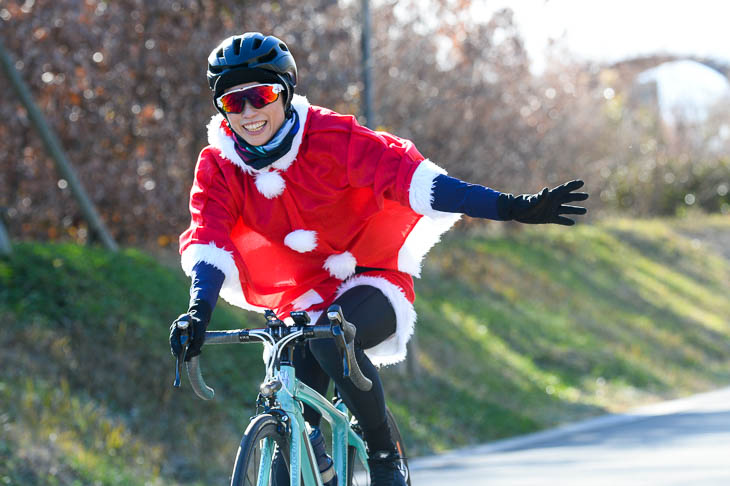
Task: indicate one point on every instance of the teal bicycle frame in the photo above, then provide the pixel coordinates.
(289, 396)
(284, 394)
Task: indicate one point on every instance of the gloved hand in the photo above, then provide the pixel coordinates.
(548, 206)
(199, 317)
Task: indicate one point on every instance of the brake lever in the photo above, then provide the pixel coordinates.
(180, 359)
(341, 343)
(344, 335)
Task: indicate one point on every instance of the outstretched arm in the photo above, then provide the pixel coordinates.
(549, 206)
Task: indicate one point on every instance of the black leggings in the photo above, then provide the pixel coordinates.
(372, 314)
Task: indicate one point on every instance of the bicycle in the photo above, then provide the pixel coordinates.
(280, 425)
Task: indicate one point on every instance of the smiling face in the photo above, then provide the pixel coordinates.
(257, 126)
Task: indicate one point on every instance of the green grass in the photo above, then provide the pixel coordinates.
(86, 391)
(517, 331)
(530, 329)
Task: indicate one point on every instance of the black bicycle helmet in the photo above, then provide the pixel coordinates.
(252, 57)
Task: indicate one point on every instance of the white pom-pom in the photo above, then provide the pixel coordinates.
(341, 265)
(301, 240)
(270, 184)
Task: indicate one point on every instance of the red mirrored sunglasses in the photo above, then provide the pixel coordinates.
(258, 95)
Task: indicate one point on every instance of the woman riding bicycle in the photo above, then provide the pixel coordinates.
(296, 207)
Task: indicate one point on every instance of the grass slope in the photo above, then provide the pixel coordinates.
(548, 325)
(516, 332)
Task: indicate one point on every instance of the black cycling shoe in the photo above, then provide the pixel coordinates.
(385, 469)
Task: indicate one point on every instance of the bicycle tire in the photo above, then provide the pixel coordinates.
(356, 474)
(246, 466)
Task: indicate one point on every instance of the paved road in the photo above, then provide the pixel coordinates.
(682, 442)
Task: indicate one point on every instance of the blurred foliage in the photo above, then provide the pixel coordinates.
(516, 332)
(123, 84)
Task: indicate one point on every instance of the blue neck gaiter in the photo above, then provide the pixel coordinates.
(260, 156)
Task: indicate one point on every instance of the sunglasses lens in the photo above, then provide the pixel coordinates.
(232, 102)
(258, 96)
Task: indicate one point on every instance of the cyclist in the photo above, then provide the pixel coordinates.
(296, 207)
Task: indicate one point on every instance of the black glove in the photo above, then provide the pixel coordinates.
(546, 207)
(198, 315)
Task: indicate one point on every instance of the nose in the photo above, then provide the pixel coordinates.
(248, 110)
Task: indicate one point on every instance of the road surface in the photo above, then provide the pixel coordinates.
(682, 442)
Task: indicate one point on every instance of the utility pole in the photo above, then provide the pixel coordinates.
(367, 68)
(5, 247)
(53, 146)
(410, 366)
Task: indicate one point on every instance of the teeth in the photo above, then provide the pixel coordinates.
(252, 127)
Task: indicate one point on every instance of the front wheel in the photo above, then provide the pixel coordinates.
(264, 439)
(357, 474)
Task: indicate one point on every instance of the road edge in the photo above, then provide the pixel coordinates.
(524, 441)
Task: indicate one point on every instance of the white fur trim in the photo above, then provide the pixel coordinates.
(341, 265)
(270, 184)
(221, 259)
(218, 138)
(306, 300)
(421, 239)
(431, 226)
(301, 240)
(393, 349)
(301, 105)
(420, 192)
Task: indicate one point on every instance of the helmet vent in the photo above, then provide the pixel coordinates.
(219, 53)
(268, 57)
(283, 47)
(257, 43)
(237, 46)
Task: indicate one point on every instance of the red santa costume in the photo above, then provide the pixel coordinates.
(290, 236)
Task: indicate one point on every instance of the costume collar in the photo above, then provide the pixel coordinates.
(220, 136)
